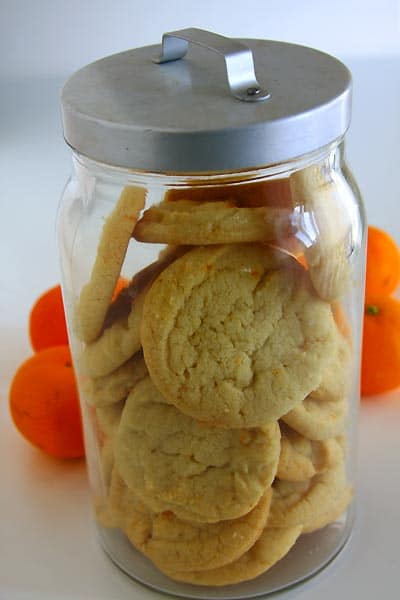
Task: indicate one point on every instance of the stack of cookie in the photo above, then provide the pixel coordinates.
(219, 380)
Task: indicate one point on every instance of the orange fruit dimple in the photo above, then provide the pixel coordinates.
(47, 326)
(380, 365)
(383, 264)
(44, 403)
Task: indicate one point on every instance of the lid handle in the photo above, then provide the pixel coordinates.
(239, 61)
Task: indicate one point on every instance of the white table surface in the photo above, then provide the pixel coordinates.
(47, 545)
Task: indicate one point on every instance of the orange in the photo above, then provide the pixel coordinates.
(380, 365)
(383, 264)
(47, 326)
(44, 403)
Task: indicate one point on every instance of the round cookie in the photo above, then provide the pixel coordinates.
(109, 417)
(196, 223)
(234, 335)
(336, 379)
(106, 467)
(308, 502)
(318, 419)
(327, 242)
(107, 461)
(120, 308)
(174, 544)
(96, 295)
(333, 514)
(271, 547)
(116, 345)
(263, 192)
(199, 472)
(301, 458)
(114, 387)
(323, 414)
(121, 336)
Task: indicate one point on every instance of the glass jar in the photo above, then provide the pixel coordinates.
(214, 321)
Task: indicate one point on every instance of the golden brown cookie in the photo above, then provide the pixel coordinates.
(120, 308)
(234, 335)
(107, 461)
(105, 467)
(108, 417)
(112, 388)
(336, 380)
(323, 414)
(267, 192)
(324, 229)
(342, 503)
(174, 544)
(194, 223)
(96, 295)
(121, 336)
(116, 345)
(318, 419)
(271, 547)
(308, 503)
(199, 472)
(301, 458)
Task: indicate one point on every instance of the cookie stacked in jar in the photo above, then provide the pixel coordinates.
(219, 386)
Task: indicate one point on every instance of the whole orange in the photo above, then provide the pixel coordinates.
(47, 326)
(380, 365)
(44, 403)
(383, 264)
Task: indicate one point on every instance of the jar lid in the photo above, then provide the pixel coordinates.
(209, 111)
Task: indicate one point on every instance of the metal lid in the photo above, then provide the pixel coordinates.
(206, 112)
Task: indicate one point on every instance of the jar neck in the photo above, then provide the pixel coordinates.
(330, 156)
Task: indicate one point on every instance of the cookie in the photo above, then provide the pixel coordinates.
(121, 337)
(121, 307)
(342, 503)
(301, 458)
(323, 414)
(104, 467)
(325, 230)
(194, 223)
(107, 461)
(308, 503)
(271, 547)
(108, 417)
(96, 295)
(112, 388)
(337, 377)
(267, 192)
(117, 344)
(234, 334)
(199, 472)
(318, 419)
(178, 545)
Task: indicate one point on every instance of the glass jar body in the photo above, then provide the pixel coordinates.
(215, 327)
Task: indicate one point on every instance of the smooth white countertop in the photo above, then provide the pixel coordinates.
(47, 543)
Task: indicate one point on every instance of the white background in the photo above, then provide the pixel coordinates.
(41, 43)
(49, 37)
